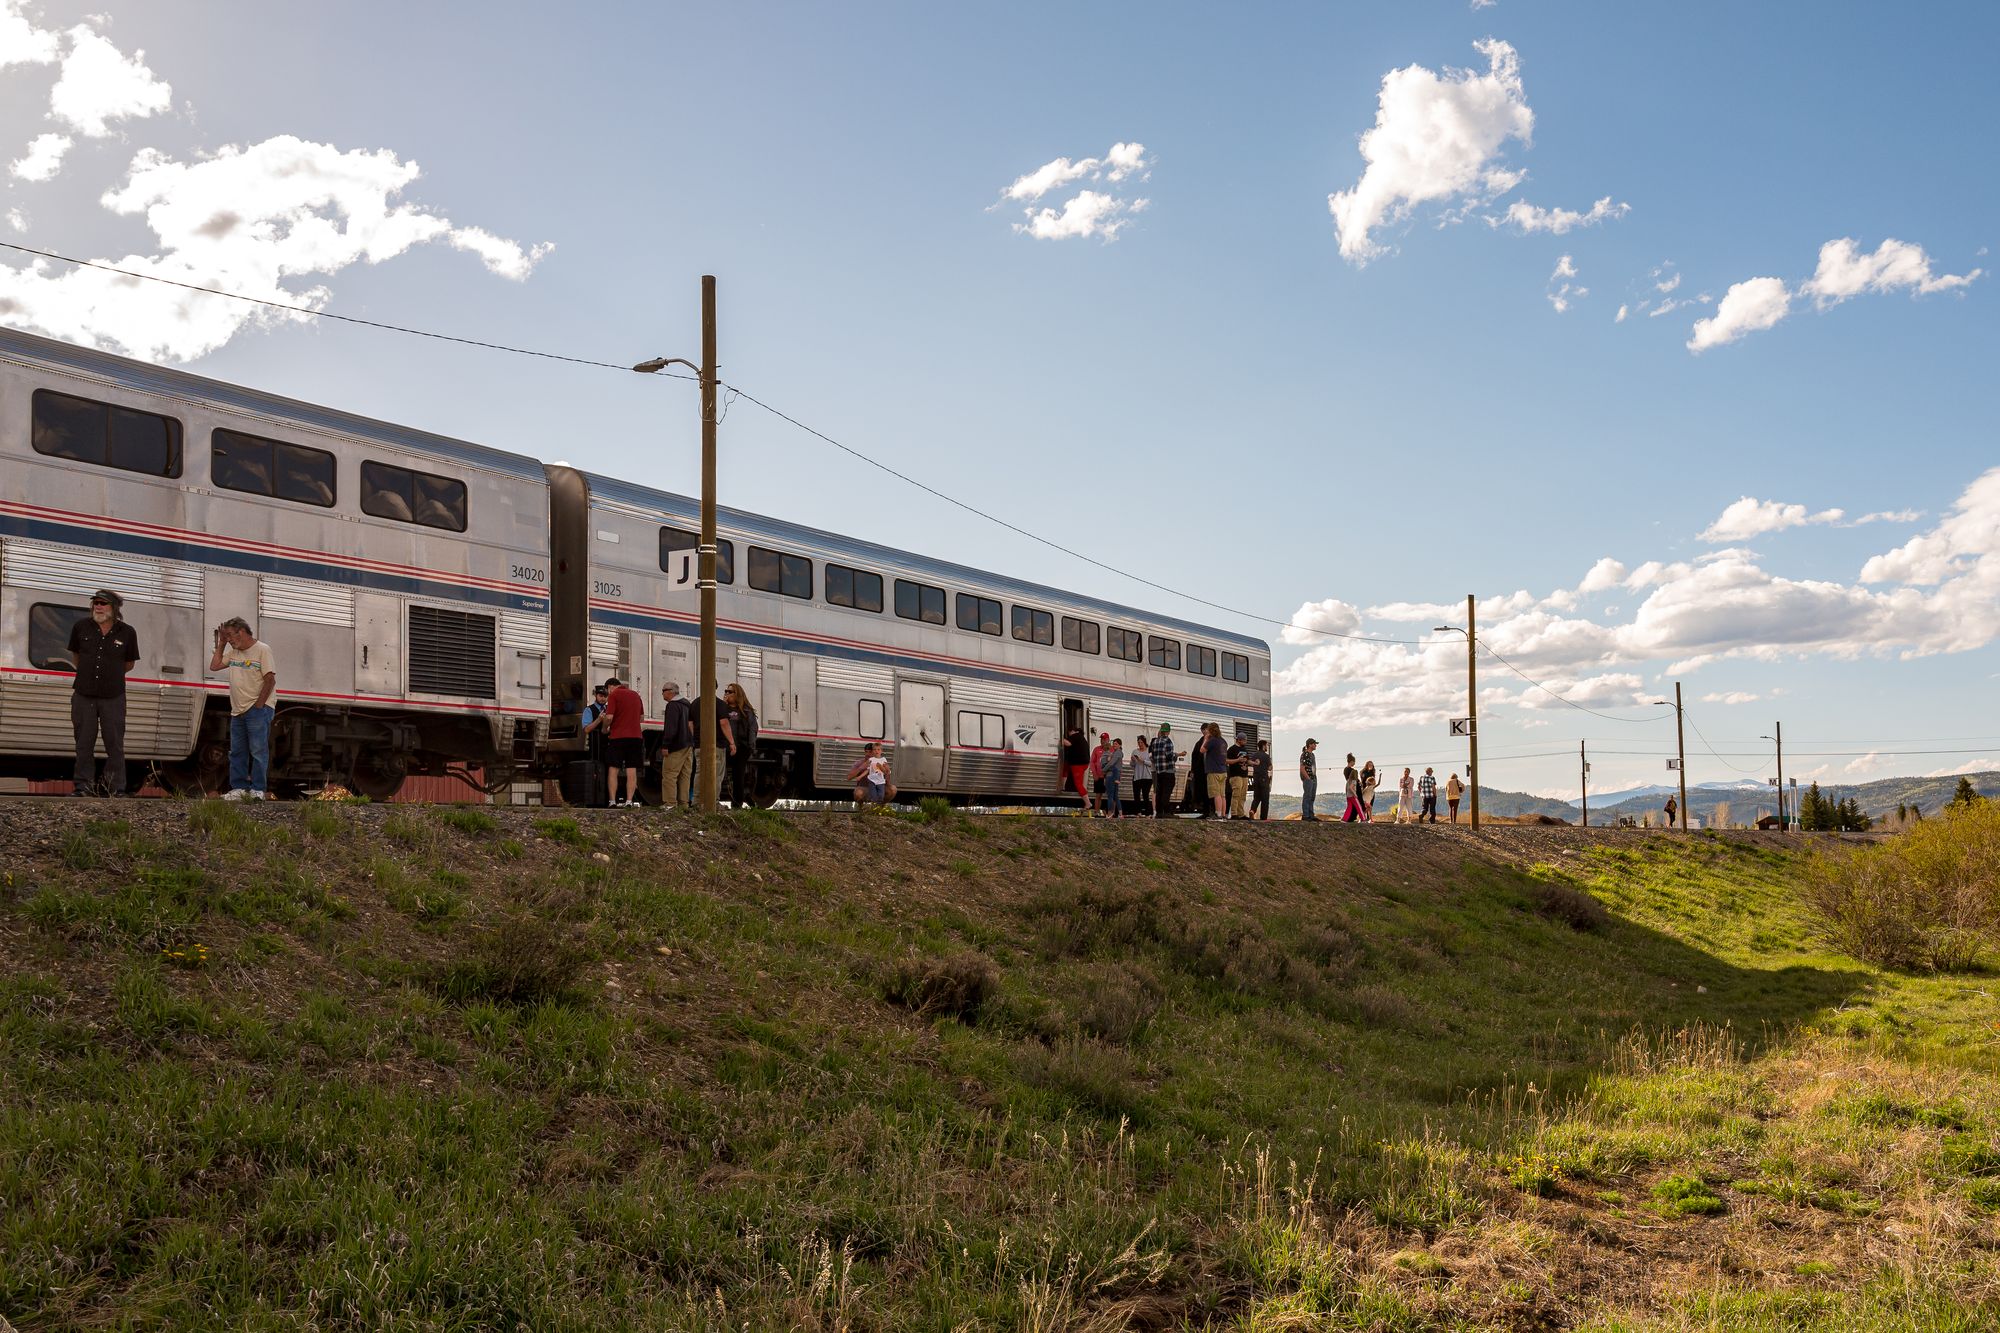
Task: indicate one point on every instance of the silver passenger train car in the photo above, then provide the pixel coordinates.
(440, 607)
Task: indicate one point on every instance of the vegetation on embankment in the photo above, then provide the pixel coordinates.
(348, 1067)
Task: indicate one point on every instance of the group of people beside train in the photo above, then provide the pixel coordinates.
(614, 724)
(103, 650)
(1416, 797)
(1226, 779)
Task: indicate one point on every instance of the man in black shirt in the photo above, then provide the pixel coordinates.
(105, 649)
(1260, 782)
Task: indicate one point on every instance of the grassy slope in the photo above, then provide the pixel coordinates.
(327, 1067)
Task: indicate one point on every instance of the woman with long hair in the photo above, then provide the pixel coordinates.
(742, 719)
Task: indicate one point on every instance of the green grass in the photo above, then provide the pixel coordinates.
(415, 1069)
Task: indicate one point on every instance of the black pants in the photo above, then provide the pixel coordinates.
(1163, 795)
(1142, 796)
(1430, 810)
(88, 718)
(1260, 801)
(740, 771)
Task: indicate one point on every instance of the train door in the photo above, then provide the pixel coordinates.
(776, 714)
(920, 734)
(673, 660)
(378, 645)
(1071, 715)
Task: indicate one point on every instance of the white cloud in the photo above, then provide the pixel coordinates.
(100, 84)
(1890, 516)
(1565, 268)
(244, 220)
(1669, 285)
(1604, 575)
(43, 159)
(1435, 138)
(1331, 615)
(1532, 218)
(1090, 213)
(17, 219)
(1620, 317)
(1731, 697)
(21, 42)
(1561, 290)
(1747, 307)
(1747, 518)
(1844, 271)
(1968, 537)
(1484, 4)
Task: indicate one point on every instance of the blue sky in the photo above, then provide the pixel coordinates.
(1217, 396)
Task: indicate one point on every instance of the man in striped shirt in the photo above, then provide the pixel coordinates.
(1162, 749)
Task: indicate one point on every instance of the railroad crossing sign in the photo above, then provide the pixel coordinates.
(1462, 726)
(1673, 764)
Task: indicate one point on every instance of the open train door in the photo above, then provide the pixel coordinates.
(1071, 715)
(920, 746)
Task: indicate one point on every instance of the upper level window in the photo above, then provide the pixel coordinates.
(1127, 645)
(979, 614)
(853, 587)
(775, 571)
(1032, 626)
(1079, 636)
(1163, 653)
(109, 436)
(680, 539)
(257, 466)
(919, 601)
(1200, 660)
(408, 496)
(1235, 666)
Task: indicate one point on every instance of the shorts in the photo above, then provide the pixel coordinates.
(624, 752)
(1217, 784)
(1097, 785)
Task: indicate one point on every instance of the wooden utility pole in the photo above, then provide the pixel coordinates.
(1583, 774)
(1783, 823)
(1472, 706)
(710, 786)
(1681, 742)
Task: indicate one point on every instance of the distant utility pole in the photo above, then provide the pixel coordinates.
(1472, 705)
(1584, 759)
(1778, 739)
(1681, 743)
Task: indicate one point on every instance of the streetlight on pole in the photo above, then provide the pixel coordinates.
(708, 786)
(1471, 700)
(1779, 741)
(1680, 746)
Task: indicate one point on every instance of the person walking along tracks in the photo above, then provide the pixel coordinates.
(104, 649)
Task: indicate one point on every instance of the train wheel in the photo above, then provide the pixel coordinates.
(767, 789)
(376, 775)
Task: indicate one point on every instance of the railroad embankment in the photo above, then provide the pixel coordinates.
(329, 1066)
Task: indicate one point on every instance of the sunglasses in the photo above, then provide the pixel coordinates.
(99, 601)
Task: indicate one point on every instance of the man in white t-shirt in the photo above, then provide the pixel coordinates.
(253, 685)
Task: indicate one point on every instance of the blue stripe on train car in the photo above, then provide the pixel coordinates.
(305, 568)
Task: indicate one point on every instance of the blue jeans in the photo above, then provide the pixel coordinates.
(1311, 791)
(250, 750)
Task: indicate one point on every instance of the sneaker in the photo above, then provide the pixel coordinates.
(237, 794)
(262, 796)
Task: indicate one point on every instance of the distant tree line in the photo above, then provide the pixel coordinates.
(1819, 813)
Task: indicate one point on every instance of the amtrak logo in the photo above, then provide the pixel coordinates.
(1025, 735)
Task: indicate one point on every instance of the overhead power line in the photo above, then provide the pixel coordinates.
(1581, 708)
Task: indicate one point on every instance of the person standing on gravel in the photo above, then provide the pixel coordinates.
(624, 744)
(1215, 770)
(1164, 757)
(253, 684)
(676, 746)
(1350, 778)
(1370, 780)
(104, 649)
(1111, 769)
(1260, 782)
(1238, 757)
(1142, 777)
(1308, 781)
(1452, 791)
(1427, 787)
(1406, 799)
(1076, 763)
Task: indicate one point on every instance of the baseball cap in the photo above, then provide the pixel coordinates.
(1104, 735)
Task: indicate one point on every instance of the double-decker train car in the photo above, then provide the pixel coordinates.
(401, 578)
(440, 607)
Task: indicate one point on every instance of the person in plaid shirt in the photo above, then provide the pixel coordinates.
(1162, 750)
(1427, 787)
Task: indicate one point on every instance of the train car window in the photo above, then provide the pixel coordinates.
(981, 615)
(1163, 653)
(873, 722)
(1200, 660)
(1235, 666)
(919, 601)
(1127, 645)
(48, 635)
(988, 731)
(1032, 626)
(680, 539)
(249, 463)
(108, 436)
(1080, 636)
(409, 496)
(786, 575)
(853, 587)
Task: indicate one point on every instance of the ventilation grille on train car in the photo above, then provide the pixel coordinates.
(451, 652)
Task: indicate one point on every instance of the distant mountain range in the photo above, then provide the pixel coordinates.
(1746, 799)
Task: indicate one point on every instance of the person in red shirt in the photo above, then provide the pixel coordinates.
(623, 750)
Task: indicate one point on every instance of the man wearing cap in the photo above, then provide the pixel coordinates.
(1162, 747)
(1308, 780)
(104, 649)
(624, 746)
